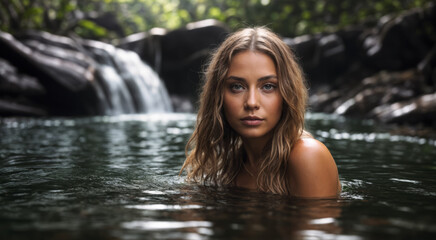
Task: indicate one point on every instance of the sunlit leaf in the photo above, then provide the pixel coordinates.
(215, 12)
(93, 28)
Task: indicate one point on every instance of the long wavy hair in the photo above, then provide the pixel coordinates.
(214, 152)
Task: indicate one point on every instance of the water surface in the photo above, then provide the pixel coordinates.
(117, 178)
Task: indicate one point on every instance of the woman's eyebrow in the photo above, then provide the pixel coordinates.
(265, 78)
(240, 79)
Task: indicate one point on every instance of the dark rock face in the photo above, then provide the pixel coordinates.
(401, 42)
(323, 57)
(64, 74)
(19, 93)
(12, 82)
(184, 51)
(387, 73)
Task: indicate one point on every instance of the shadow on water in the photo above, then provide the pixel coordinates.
(117, 178)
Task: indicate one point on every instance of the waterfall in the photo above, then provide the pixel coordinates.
(144, 84)
(129, 85)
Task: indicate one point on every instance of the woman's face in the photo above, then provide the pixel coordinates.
(252, 101)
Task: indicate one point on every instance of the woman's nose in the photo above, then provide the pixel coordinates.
(252, 100)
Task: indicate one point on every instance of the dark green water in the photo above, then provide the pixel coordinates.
(117, 178)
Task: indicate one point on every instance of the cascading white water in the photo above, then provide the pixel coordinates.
(130, 85)
(119, 98)
(144, 84)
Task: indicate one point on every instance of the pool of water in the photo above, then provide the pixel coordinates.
(117, 178)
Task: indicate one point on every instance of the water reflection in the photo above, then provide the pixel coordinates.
(235, 213)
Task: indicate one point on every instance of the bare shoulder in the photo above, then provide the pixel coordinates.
(312, 170)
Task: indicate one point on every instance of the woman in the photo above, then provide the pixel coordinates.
(250, 124)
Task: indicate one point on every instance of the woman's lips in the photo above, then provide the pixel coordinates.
(251, 121)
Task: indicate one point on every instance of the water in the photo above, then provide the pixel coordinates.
(117, 178)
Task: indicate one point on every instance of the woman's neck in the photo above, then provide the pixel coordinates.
(254, 149)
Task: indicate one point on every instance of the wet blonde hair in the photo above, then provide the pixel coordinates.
(214, 152)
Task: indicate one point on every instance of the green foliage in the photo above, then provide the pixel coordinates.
(86, 28)
(289, 18)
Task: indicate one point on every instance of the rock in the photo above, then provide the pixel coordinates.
(362, 103)
(325, 57)
(421, 109)
(66, 74)
(323, 101)
(60, 55)
(11, 82)
(306, 50)
(181, 104)
(391, 78)
(380, 89)
(332, 60)
(427, 67)
(399, 42)
(147, 45)
(49, 39)
(20, 94)
(12, 108)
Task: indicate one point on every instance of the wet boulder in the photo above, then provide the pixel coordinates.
(399, 42)
(325, 57)
(419, 110)
(382, 88)
(20, 94)
(185, 52)
(427, 67)
(392, 76)
(306, 50)
(12, 82)
(65, 73)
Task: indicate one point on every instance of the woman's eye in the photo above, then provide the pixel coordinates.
(269, 87)
(236, 87)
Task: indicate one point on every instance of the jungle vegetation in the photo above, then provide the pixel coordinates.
(110, 19)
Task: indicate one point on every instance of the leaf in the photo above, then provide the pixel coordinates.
(93, 28)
